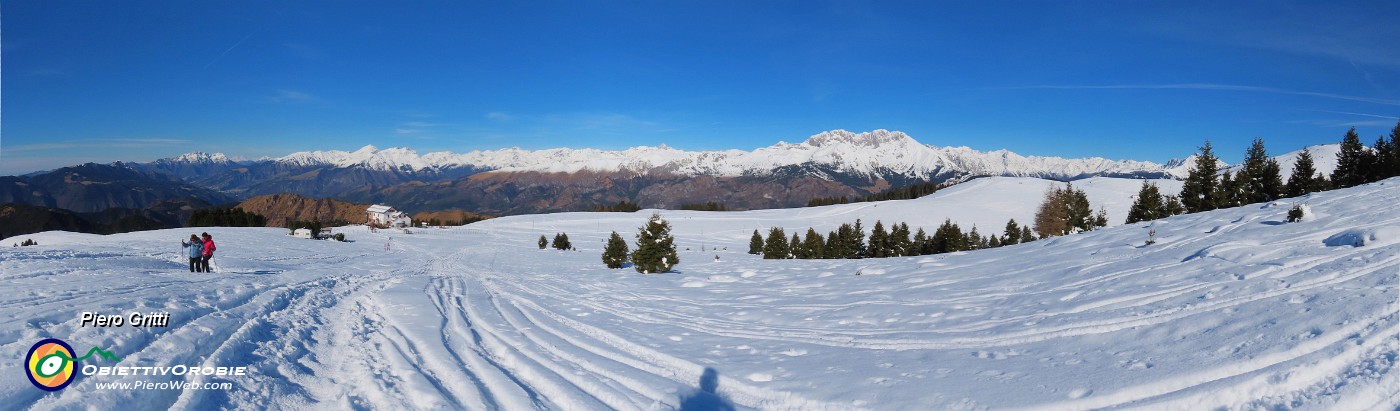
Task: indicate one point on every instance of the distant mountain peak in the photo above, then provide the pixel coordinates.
(200, 157)
(873, 139)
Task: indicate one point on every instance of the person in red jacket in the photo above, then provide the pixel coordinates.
(208, 252)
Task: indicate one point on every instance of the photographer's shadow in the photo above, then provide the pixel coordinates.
(706, 398)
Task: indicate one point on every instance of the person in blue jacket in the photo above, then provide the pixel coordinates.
(194, 250)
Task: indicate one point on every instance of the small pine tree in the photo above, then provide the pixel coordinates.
(777, 245)
(1100, 218)
(615, 253)
(656, 248)
(1172, 206)
(993, 241)
(1260, 181)
(1012, 234)
(1302, 181)
(1389, 162)
(920, 246)
(1148, 205)
(899, 242)
(1026, 234)
(795, 249)
(832, 248)
(756, 243)
(543, 242)
(813, 244)
(561, 242)
(857, 241)
(1354, 162)
(1201, 188)
(1228, 192)
(973, 239)
(879, 241)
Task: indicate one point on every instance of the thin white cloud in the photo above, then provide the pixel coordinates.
(1359, 114)
(1210, 86)
(499, 116)
(407, 131)
(288, 96)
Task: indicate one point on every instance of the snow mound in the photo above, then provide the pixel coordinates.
(1361, 237)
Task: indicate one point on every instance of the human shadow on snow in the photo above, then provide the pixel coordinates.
(705, 398)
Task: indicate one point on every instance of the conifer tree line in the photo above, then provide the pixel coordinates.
(1259, 179)
(901, 193)
(465, 221)
(225, 217)
(705, 206)
(849, 241)
(622, 206)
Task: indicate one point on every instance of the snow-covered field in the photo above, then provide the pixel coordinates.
(1230, 309)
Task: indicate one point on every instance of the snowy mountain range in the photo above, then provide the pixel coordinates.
(517, 181)
(877, 152)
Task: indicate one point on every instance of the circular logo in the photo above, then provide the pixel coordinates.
(50, 364)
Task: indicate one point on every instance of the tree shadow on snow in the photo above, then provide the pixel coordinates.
(706, 398)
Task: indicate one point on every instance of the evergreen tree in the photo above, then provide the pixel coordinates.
(921, 242)
(543, 242)
(1100, 219)
(1303, 180)
(1273, 181)
(813, 244)
(1012, 234)
(1173, 206)
(948, 238)
(656, 248)
(899, 242)
(1389, 163)
(1148, 206)
(561, 242)
(615, 254)
(973, 239)
(832, 248)
(795, 247)
(858, 241)
(879, 241)
(756, 243)
(1354, 162)
(993, 241)
(777, 245)
(1230, 192)
(1385, 154)
(1261, 181)
(1199, 192)
(1026, 234)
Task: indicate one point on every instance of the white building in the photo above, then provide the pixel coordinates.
(386, 216)
(302, 233)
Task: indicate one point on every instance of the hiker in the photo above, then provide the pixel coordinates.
(194, 250)
(208, 252)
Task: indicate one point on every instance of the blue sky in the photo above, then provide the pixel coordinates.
(136, 81)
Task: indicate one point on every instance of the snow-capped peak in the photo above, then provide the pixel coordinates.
(200, 157)
(873, 139)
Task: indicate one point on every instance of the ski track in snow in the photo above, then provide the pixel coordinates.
(1230, 309)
